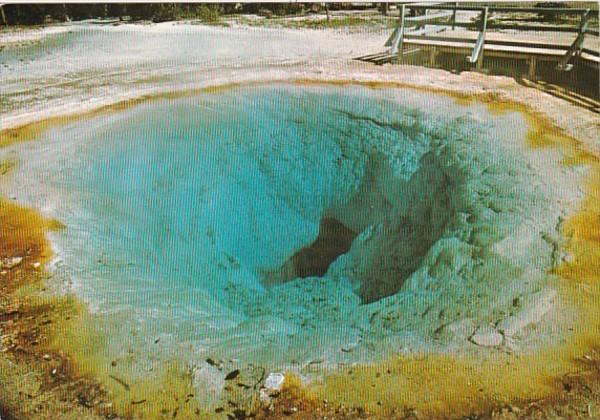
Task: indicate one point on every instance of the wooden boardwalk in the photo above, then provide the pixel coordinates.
(428, 34)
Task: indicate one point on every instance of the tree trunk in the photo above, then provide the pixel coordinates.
(3, 16)
(384, 9)
(65, 13)
(327, 11)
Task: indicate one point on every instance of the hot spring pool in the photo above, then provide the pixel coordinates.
(293, 225)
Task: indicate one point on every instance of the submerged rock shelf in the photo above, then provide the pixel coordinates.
(288, 226)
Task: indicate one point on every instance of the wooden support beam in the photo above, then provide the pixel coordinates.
(397, 43)
(392, 37)
(476, 56)
(432, 56)
(576, 46)
(537, 28)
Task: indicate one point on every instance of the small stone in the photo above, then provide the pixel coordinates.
(274, 382)
(290, 411)
(209, 382)
(264, 396)
(568, 258)
(487, 336)
(232, 375)
(36, 265)
(272, 386)
(46, 357)
(532, 311)
(461, 329)
(11, 262)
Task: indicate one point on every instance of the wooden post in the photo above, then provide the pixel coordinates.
(65, 14)
(532, 67)
(432, 56)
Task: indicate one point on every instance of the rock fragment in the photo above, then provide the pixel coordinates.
(532, 311)
(209, 382)
(272, 386)
(274, 382)
(10, 262)
(232, 375)
(461, 330)
(487, 336)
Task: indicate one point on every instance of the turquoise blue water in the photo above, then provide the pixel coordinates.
(178, 210)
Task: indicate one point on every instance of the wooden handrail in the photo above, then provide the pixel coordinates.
(492, 25)
(499, 9)
(426, 18)
(549, 10)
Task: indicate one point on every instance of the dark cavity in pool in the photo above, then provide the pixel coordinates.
(334, 239)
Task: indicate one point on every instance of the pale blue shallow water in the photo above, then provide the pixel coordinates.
(176, 209)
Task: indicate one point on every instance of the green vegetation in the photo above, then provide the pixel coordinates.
(310, 15)
(34, 14)
(321, 22)
(341, 22)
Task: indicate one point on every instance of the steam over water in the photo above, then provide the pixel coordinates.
(286, 224)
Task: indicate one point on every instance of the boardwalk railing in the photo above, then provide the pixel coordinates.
(414, 27)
